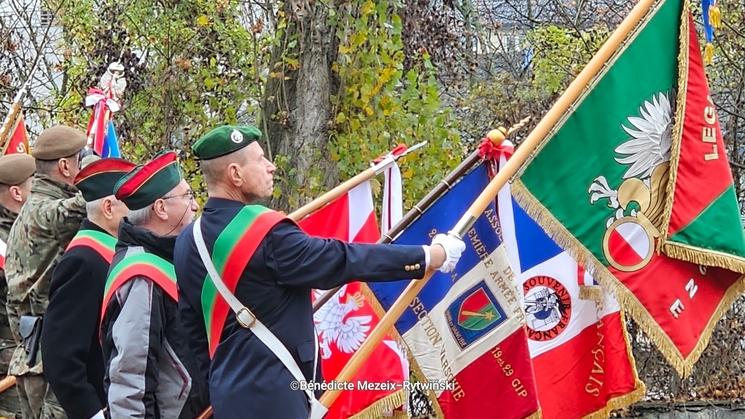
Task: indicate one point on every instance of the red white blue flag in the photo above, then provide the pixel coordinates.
(581, 355)
(466, 331)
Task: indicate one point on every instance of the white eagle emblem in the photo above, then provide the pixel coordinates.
(646, 151)
(335, 326)
(639, 201)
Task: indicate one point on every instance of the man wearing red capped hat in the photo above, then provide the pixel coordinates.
(150, 370)
(73, 362)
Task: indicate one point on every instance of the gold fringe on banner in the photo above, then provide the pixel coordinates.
(591, 293)
(559, 233)
(680, 105)
(629, 302)
(693, 254)
(711, 258)
(626, 400)
(383, 406)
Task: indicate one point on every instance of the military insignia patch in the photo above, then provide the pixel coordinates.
(548, 306)
(473, 314)
(236, 136)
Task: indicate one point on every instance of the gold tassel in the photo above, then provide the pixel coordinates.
(709, 53)
(591, 292)
(715, 16)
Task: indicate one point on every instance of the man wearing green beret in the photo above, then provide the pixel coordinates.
(73, 362)
(150, 368)
(37, 239)
(265, 266)
(16, 171)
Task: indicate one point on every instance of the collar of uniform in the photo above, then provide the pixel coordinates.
(43, 184)
(132, 235)
(87, 224)
(218, 203)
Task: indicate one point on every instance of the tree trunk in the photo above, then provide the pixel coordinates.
(297, 105)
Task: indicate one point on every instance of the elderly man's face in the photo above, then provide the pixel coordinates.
(257, 173)
(180, 207)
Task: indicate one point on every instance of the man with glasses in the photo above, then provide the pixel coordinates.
(150, 371)
(45, 225)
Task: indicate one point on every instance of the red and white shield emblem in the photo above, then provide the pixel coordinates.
(628, 244)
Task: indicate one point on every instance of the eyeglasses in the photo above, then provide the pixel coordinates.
(189, 194)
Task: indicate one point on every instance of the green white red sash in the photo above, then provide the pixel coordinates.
(143, 264)
(231, 253)
(100, 242)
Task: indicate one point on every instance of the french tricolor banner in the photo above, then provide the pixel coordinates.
(465, 331)
(581, 356)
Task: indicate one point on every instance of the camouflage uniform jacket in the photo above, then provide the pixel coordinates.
(47, 222)
(6, 338)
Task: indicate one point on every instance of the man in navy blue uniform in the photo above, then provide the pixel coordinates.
(73, 362)
(270, 265)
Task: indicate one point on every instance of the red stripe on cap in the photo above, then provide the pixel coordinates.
(144, 173)
(104, 166)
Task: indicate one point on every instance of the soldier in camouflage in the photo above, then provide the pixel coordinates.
(15, 185)
(39, 236)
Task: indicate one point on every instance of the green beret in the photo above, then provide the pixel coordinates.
(149, 182)
(224, 140)
(58, 142)
(16, 168)
(98, 178)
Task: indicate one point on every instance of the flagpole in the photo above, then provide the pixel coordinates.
(18, 99)
(443, 186)
(15, 108)
(347, 185)
(522, 153)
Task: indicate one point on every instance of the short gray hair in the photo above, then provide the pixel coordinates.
(140, 216)
(214, 169)
(93, 207)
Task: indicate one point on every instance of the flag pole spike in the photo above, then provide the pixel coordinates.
(521, 154)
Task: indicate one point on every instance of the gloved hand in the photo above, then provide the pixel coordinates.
(453, 246)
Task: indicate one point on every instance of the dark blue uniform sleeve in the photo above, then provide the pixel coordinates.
(70, 324)
(299, 260)
(189, 306)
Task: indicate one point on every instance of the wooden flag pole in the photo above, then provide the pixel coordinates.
(562, 105)
(347, 185)
(15, 108)
(443, 186)
(7, 382)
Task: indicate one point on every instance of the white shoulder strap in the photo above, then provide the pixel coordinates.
(247, 319)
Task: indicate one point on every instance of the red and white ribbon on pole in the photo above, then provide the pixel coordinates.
(392, 193)
(102, 104)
